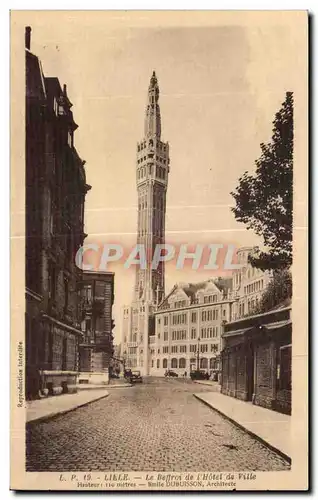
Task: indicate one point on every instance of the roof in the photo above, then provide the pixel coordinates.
(190, 289)
(35, 87)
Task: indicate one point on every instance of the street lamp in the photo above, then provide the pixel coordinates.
(198, 355)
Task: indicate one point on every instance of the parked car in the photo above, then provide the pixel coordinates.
(199, 375)
(135, 377)
(170, 373)
(127, 374)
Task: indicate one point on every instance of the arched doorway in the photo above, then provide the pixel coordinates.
(203, 364)
(182, 363)
(174, 363)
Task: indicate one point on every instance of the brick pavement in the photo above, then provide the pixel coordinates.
(158, 425)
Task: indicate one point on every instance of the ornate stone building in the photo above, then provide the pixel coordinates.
(189, 325)
(249, 284)
(152, 169)
(55, 196)
(96, 347)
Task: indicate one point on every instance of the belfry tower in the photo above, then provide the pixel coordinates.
(152, 180)
(152, 169)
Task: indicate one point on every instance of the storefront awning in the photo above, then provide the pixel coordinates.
(278, 325)
(235, 333)
(270, 326)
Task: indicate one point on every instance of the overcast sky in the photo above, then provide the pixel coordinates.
(220, 86)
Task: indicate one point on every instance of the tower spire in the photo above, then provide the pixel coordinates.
(153, 118)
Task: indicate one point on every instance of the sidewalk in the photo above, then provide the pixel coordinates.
(42, 409)
(270, 427)
(216, 386)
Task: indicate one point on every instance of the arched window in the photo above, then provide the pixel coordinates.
(165, 363)
(212, 363)
(158, 363)
(182, 363)
(174, 363)
(203, 363)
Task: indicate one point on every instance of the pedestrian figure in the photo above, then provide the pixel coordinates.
(185, 374)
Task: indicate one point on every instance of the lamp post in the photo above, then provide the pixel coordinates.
(198, 355)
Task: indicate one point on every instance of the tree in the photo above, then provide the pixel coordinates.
(264, 201)
(278, 292)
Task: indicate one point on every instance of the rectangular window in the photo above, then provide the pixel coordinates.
(165, 336)
(193, 348)
(194, 317)
(66, 292)
(214, 348)
(193, 333)
(183, 348)
(165, 320)
(174, 349)
(52, 280)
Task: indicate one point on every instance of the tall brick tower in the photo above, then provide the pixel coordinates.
(152, 180)
(152, 169)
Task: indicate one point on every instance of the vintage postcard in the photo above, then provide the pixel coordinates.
(159, 250)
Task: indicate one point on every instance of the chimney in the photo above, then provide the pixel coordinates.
(64, 89)
(28, 38)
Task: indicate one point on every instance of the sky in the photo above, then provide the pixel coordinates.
(220, 86)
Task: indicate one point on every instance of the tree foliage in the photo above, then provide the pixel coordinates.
(278, 292)
(264, 201)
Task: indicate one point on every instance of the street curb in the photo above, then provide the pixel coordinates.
(248, 431)
(207, 385)
(52, 415)
(119, 386)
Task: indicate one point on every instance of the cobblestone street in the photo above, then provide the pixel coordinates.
(158, 425)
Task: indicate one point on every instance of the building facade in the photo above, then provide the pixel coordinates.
(189, 325)
(152, 169)
(96, 345)
(257, 357)
(249, 284)
(55, 196)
